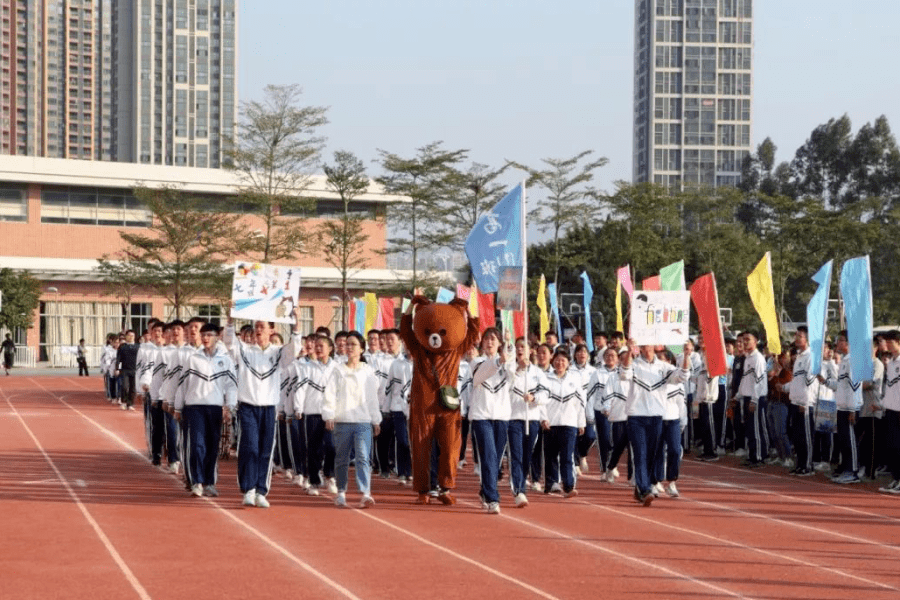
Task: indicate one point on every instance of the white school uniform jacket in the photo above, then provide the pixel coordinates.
(175, 357)
(532, 379)
(381, 365)
(400, 376)
(648, 380)
(207, 380)
(155, 378)
(892, 384)
(259, 383)
(803, 386)
(828, 371)
(291, 377)
(351, 395)
(690, 386)
(586, 372)
(491, 383)
(706, 388)
(614, 399)
(848, 394)
(676, 405)
(464, 387)
(565, 400)
(310, 395)
(754, 382)
(145, 358)
(108, 360)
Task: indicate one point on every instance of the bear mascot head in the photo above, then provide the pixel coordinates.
(436, 337)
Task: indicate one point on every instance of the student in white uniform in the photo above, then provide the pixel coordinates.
(308, 402)
(529, 399)
(581, 364)
(565, 422)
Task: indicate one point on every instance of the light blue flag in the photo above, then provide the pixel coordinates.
(817, 317)
(588, 297)
(360, 324)
(496, 241)
(554, 309)
(856, 290)
(444, 296)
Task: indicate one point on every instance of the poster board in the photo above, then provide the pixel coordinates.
(264, 292)
(660, 318)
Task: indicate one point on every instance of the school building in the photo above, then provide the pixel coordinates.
(58, 216)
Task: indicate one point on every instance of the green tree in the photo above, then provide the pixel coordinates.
(425, 179)
(343, 240)
(181, 255)
(274, 156)
(21, 296)
(569, 200)
(469, 193)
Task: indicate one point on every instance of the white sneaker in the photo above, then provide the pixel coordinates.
(671, 490)
(611, 476)
(521, 500)
(289, 475)
(211, 491)
(124, 407)
(578, 470)
(891, 487)
(366, 502)
(261, 501)
(340, 500)
(493, 508)
(584, 465)
(197, 490)
(788, 463)
(312, 490)
(556, 488)
(821, 466)
(250, 498)
(405, 481)
(331, 485)
(461, 464)
(173, 468)
(537, 487)
(741, 452)
(657, 489)
(615, 471)
(477, 469)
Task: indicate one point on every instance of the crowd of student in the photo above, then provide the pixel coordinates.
(316, 405)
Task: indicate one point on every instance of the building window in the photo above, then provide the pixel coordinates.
(13, 205)
(89, 206)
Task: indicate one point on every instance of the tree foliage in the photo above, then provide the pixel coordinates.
(21, 297)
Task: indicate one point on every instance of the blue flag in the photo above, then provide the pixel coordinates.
(588, 297)
(856, 290)
(496, 241)
(817, 317)
(444, 296)
(554, 309)
(360, 324)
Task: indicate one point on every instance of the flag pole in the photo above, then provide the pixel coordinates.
(524, 243)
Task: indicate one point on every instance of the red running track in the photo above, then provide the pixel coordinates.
(84, 515)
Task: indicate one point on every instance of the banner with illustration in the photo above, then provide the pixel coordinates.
(660, 318)
(264, 292)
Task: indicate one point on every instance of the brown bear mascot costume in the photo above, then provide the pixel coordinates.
(436, 336)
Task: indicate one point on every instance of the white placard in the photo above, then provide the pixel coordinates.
(263, 292)
(660, 318)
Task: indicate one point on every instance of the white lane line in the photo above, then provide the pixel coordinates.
(265, 539)
(129, 575)
(735, 544)
(287, 554)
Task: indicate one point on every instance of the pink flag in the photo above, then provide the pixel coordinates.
(651, 284)
(623, 275)
(462, 292)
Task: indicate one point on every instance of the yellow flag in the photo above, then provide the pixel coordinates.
(542, 306)
(762, 294)
(619, 326)
(371, 310)
(473, 299)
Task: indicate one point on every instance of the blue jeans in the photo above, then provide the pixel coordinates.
(490, 437)
(643, 434)
(256, 447)
(520, 448)
(604, 438)
(359, 437)
(778, 416)
(401, 432)
(559, 449)
(668, 453)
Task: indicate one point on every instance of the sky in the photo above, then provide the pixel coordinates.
(530, 79)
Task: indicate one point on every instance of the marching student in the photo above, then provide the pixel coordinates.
(397, 391)
(543, 355)
(489, 412)
(848, 397)
(753, 391)
(293, 377)
(107, 367)
(351, 412)
(706, 393)
(891, 416)
(613, 404)
(308, 400)
(259, 385)
(529, 399)
(596, 416)
(381, 364)
(340, 346)
(737, 417)
(870, 417)
(803, 403)
(126, 367)
(146, 360)
(668, 454)
(648, 377)
(464, 387)
(581, 364)
(206, 395)
(565, 422)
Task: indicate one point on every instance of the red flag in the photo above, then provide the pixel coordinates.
(651, 284)
(386, 310)
(463, 292)
(486, 310)
(519, 323)
(706, 301)
(351, 314)
(623, 275)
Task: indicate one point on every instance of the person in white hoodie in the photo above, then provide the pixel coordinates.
(581, 364)
(803, 403)
(565, 422)
(206, 395)
(529, 399)
(648, 379)
(351, 411)
(308, 400)
(489, 412)
(849, 399)
(400, 376)
(753, 391)
(259, 386)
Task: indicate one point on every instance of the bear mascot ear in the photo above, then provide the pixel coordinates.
(473, 328)
(420, 301)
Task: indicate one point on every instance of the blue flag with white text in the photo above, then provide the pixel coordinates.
(588, 297)
(496, 241)
(817, 316)
(554, 309)
(856, 290)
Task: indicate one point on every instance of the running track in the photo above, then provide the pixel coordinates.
(84, 515)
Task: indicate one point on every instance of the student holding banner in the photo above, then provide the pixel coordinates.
(259, 386)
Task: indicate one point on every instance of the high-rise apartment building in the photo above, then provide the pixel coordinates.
(693, 82)
(149, 81)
